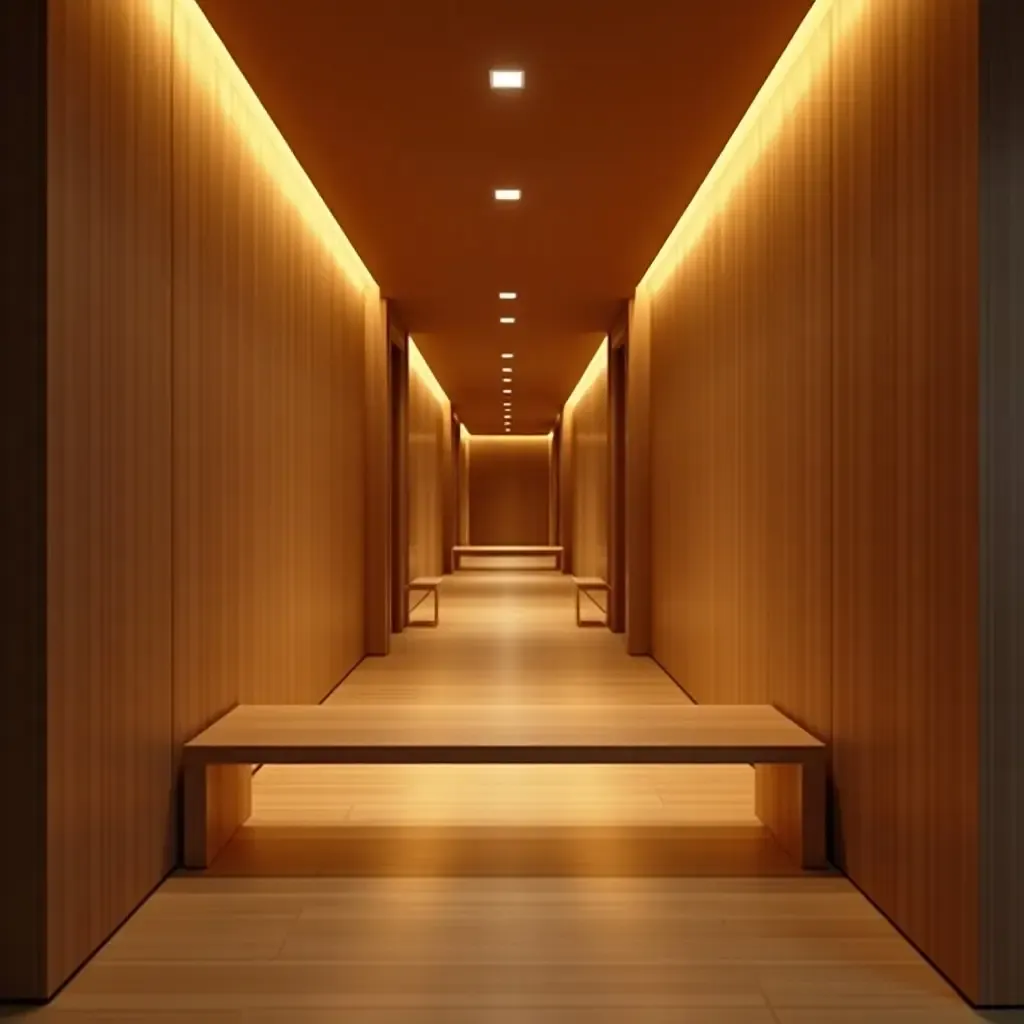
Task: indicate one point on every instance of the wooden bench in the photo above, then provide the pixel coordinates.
(789, 762)
(507, 551)
(429, 584)
(585, 584)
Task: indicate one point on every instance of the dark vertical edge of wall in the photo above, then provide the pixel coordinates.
(398, 364)
(1001, 403)
(23, 25)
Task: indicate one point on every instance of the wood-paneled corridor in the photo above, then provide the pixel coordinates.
(500, 894)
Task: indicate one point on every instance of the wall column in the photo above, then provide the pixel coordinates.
(638, 476)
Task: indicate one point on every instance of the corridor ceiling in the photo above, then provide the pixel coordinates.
(387, 104)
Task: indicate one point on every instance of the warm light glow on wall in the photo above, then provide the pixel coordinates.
(595, 367)
(789, 82)
(463, 431)
(198, 48)
(419, 366)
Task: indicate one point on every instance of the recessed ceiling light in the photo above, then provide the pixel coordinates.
(507, 391)
(506, 369)
(506, 295)
(508, 319)
(508, 405)
(506, 380)
(508, 355)
(508, 195)
(507, 78)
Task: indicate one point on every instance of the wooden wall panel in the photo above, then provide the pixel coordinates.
(566, 477)
(508, 489)
(1002, 498)
(590, 485)
(905, 674)
(269, 338)
(23, 95)
(450, 485)
(109, 421)
(639, 453)
(463, 485)
(740, 379)
(429, 421)
(377, 494)
(814, 444)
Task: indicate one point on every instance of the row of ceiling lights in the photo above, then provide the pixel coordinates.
(507, 78)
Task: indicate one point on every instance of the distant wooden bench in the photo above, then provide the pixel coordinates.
(429, 584)
(584, 585)
(507, 551)
(789, 762)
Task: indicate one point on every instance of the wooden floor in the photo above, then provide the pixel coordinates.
(500, 894)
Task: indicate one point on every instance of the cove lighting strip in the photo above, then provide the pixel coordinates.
(795, 72)
(419, 366)
(197, 48)
(597, 364)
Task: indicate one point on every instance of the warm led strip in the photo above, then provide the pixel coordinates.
(198, 48)
(808, 52)
(419, 366)
(595, 367)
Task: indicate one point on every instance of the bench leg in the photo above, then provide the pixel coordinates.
(790, 800)
(218, 800)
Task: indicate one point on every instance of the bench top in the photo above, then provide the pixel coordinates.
(513, 549)
(591, 582)
(426, 581)
(483, 734)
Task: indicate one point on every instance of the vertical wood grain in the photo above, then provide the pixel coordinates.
(1001, 168)
(23, 99)
(905, 675)
(463, 488)
(814, 432)
(640, 536)
(269, 454)
(450, 485)
(109, 571)
(377, 497)
(617, 473)
(740, 433)
(590, 484)
(508, 489)
(429, 424)
(566, 480)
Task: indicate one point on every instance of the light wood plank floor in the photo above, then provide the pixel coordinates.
(405, 895)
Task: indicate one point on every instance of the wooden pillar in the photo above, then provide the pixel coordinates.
(377, 486)
(398, 363)
(450, 463)
(566, 488)
(638, 476)
(617, 356)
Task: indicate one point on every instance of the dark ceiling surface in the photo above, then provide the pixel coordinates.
(387, 105)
